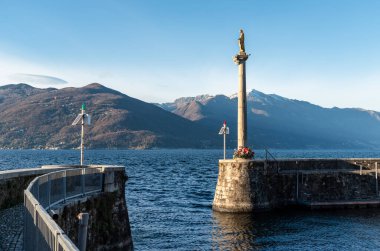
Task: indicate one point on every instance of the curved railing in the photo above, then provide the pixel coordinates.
(41, 232)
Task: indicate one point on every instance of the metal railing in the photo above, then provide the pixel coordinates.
(268, 154)
(41, 232)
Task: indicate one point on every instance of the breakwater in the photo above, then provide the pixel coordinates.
(108, 227)
(254, 185)
(53, 198)
(54, 202)
(13, 183)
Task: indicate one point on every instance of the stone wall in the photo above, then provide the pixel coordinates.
(14, 182)
(245, 186)
(109, 227)
(12, 191)
(319, 164)
(337, 186)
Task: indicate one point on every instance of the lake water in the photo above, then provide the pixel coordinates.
(170, 192)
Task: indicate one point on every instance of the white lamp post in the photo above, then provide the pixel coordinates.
(84, 118)
(224, 130)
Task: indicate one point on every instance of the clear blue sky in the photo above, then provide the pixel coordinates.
(326, 52)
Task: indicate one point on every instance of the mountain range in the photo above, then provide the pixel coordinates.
(278, 122)
(41, 118)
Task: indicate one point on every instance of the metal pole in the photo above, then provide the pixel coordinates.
(64, 186)
(82, 233)
(224, 144)
(297, 185)
(82, 141)
(83, 181)
(377, 185)
(49, 190)
(38, 190)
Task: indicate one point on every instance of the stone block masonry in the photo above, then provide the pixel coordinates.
(247, 186)
(108, 227)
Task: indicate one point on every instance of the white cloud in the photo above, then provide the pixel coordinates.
(36, 79)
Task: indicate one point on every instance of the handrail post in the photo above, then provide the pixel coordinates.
(38, 190)
(297, 186)
(82, 231)
(83, 181)
(64, 186)
(49, 191)
(377, 185)
(102, 181)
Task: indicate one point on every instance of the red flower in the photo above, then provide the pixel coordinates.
(244, 153)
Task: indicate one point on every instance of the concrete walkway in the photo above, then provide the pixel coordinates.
(11, 228)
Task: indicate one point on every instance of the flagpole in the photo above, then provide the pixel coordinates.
(224, 130)
(224, 136)
(82, 137)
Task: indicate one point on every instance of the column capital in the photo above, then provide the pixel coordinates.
(241, 57)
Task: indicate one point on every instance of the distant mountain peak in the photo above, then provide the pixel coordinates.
(98, 88)
(94, 86)
(199, 98)
(11, 93)
(235, 95)
(22, 89)
(371, 113)
(17, 86)
(257, 96)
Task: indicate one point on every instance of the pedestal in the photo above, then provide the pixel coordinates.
(233, 191)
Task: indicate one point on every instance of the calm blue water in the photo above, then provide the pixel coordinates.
(170, 192)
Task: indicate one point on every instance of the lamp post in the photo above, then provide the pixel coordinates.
(224, 131)
(85, 119)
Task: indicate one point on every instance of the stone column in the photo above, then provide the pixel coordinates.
(240, 59)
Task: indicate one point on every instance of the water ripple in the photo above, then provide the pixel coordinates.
(169, 195)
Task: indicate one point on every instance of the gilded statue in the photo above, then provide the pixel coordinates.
(241, 41)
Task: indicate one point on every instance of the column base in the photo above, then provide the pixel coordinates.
(233, 193)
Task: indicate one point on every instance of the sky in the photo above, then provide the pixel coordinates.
(322, 51)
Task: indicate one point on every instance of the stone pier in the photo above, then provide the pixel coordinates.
(233, 191)
(109, 227)
(257, 185)
(253, 185)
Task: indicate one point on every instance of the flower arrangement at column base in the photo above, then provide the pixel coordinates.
(244, 153)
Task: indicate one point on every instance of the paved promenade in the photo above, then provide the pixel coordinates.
(11, 228)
